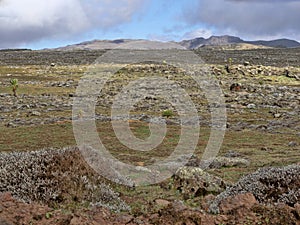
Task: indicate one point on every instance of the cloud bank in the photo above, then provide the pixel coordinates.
(251, 18)
(27, 21)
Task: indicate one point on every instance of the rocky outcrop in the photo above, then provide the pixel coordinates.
(194, 182)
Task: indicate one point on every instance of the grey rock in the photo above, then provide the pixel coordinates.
(193, 182)
(246, 63)
(232, 154)
(35, 113)
(11, 125)
(277, 115)
(219, 162)
(292, 144)
(251, 106)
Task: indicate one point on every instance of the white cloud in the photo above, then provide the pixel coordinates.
(248, 18)
(197, 33)
(32, 20)
(108, 13)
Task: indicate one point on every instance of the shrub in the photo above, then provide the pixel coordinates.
(14, 84)
(167, 113)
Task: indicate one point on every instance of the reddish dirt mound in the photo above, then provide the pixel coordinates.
(234, 211)
(14, 212)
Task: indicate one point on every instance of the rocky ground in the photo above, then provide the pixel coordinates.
(45, 182)
(258, 88)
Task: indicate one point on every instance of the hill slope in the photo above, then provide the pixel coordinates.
(225, 40)
(228, 40)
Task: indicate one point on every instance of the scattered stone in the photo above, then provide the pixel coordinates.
(35, 113)
(11, 125)
(232, 154)
(246, 63)
(277, 115)
(251, 106)
(292, 144)
(267, 149)
(257, 92)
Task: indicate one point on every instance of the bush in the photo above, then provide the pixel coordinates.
(54, 177)
(270, 184)
(167, 113)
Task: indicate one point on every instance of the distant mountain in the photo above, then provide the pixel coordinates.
(239, 46)
(226, 41)
(279, 43)
(229, 40)
(193, 43)
(122, 44)
(213, 40)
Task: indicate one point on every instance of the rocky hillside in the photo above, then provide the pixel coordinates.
(228, 40)
(279, 43)
(213, 40)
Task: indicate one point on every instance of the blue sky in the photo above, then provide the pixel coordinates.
(40, 24)
(155, 20)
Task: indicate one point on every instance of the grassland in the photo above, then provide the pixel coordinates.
(251, 132)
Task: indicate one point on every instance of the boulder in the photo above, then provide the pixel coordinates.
(240, 203)
(251, 106)
(246, 63)
(194, 182)
(235, 87)
(35, 113)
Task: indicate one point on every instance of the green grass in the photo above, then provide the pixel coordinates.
(142, 132)
(38, 90)
(32, 138)
(247, 142)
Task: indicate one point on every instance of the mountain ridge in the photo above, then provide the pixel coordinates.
(195, 43)
(227, 40)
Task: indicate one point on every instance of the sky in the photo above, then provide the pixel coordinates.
(39, 24)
